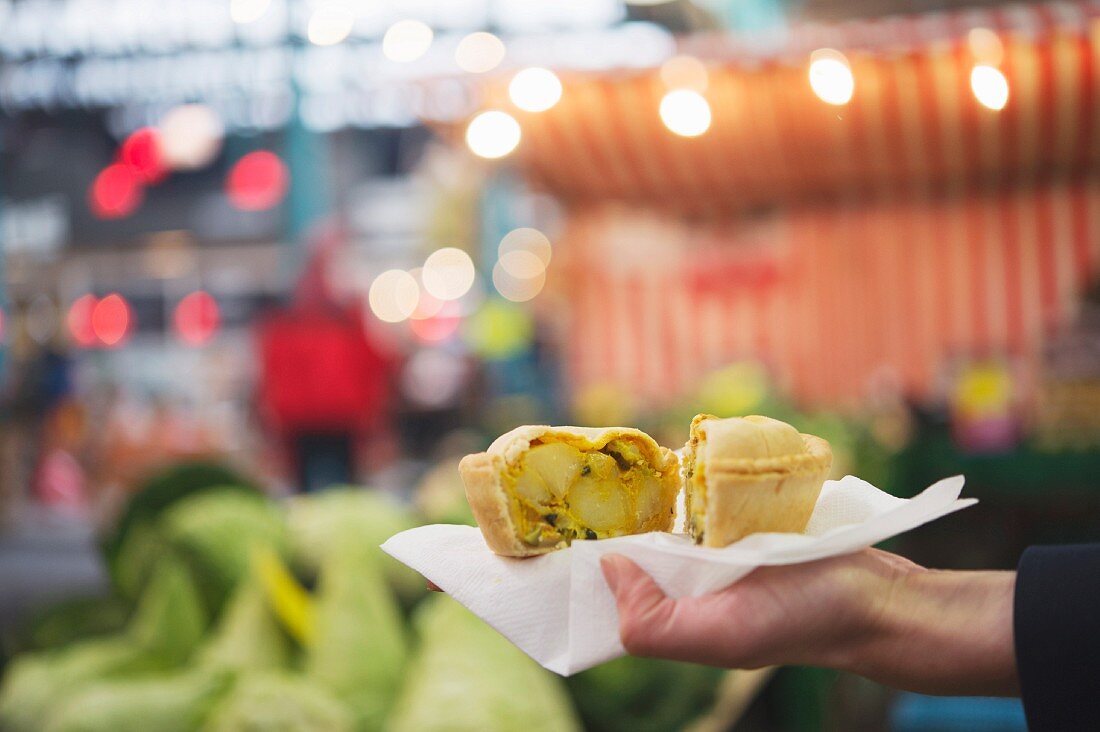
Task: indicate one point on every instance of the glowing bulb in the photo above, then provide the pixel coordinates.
(247, 11)
(985, 46)
(330, 23)
(190, 136)
(990, 87)
(111, 319)
(685, 112)
(522, 265)
(684, 72)
(393, 296)
(448, 273)
(831, 77)
(517, 289)
(406, 40)
(526, 240)
(479, 52)
(535, 89)
(493, 134)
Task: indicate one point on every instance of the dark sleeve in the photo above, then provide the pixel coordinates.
(1056, 619)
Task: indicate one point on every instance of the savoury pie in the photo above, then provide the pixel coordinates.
(747, 475)
(538, 488)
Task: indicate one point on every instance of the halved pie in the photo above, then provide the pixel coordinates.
(747, 475)
(537, 487)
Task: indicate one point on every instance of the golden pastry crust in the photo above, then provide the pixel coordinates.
(483, 476)
(749, 475)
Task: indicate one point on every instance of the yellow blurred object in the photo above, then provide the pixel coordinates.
(499, 330)
(983, 390)
(290, 602)
(604, 404)
(734, 390)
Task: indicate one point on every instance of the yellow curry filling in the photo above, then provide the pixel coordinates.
(559, 492)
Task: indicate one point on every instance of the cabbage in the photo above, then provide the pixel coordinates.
(163, 633)
(318, 521)
(217, 531)
(358, 647)
(247, 635)
(173, 703)
(467, 677)
(274, 702)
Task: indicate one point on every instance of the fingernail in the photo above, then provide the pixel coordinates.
(610, 566)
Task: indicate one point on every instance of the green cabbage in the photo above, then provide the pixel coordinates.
(247, 635)
(319, 521)
(217, 531)
(468, 678)
(358, 648)
(274, 702)
(172, 703)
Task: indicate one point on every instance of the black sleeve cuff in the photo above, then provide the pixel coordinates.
(1056, 621)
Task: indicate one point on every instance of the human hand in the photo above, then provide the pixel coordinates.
(872, 612)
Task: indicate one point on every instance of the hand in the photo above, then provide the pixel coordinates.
(872, 613)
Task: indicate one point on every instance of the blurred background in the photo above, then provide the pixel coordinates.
(268, 268)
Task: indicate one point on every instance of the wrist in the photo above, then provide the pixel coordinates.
(940, 632)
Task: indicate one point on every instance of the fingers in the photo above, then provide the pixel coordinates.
(645, 612)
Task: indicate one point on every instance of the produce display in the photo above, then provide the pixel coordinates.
(250, 614)
(538, 488)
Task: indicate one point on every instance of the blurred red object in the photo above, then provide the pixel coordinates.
(197, 318)
(257, 182)
(79, 320)
(115, 193)
(320, 372)
(140, 152)
(111, 319)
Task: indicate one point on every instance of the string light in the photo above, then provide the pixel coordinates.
(197, 318)
(79, 320)
(526, 239)
(406, 41)
(247, 11)
(990, 87)
(479, 52)
(535, 89)
(684, 72)
(685, 112)
(393, 296)
(190, 136)
(448, 273)
(330, 23)
(518, 289)
(257, 182)
(493, 134)
(111, 320)
(115, 193)
(831, 77)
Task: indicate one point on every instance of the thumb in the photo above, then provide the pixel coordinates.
(645, 612)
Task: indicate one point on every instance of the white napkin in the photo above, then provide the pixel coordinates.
(558, 609)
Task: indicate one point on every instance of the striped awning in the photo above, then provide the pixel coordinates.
(912, 125)
(832, 298)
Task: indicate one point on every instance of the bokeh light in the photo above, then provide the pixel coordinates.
(406, 41)
(439, 327)
(330, 23)
(831, 76)
(535, 89)
(115, 193)
(79, 320)
(111, 320)
(522, 265)
(393, 296)
(190, 136)
(990, 87)
(518, 289)
(493, 134)
(479, 52)
(141, 152)
(197, 318)
(257, 182)
(448, 273)
(684, 72)
(985, 46)
(526, 239)
(247, 11)
(428, 305)
(685, 112)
